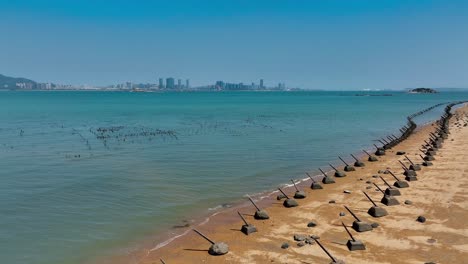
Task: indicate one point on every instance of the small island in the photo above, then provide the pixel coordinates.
(423, 90)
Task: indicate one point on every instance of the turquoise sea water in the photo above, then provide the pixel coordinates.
(84, 174)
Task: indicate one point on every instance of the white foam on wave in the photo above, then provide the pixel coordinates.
(165, 243)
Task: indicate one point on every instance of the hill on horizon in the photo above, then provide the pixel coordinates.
(7, 82)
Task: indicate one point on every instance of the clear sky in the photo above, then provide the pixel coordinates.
(327, 44)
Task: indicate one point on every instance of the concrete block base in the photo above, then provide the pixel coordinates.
(261, 215)
(290, 203)
(361, 226)
(328, 180)
(359, 164)
(316, 186)
(355, 245)
(340, 174)
(392, 192)
(389, 200)
(401, 184)
(300, 195)
(376, 211)
(411, 178)
(248, 229)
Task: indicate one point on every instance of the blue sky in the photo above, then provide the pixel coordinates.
(326, 44)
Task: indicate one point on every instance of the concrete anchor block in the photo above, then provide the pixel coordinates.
(389, 200)
(376, 211)
(411, 178)
(218, 249)
(290, 203)
(300, 195)
(360, 226)
(248, 229)
(316, 186)
(355, 245)
(261, 215)
(328, 180)
(392, 191)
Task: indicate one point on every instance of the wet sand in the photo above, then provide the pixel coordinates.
(439, 195)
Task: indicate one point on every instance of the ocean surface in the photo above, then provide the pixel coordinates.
(89, 174)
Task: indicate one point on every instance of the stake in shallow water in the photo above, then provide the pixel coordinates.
(289, 202)
(353, 244)
(388, 200)
(359, 225)
(162, 261)
(259, 214)
(386, 142)
(371, 158)
(298, 194)
(375, 210)
(392, 191)
(357, 162)
(247, 228)
(217, 248)
(315, 185)
(338, 173)
(347, 166)
(326, 179)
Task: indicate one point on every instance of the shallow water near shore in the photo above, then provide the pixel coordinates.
(86, 174)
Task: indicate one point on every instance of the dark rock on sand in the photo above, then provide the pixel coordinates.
(342, 214)
(421, 219)
(408, 202)
(285, 245)
(312, 224)
(301, 244)
(401, 153)
(298, 237)
(375, 225)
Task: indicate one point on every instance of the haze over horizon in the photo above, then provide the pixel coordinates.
(310, 44)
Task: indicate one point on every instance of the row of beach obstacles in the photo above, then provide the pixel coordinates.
(429, 150)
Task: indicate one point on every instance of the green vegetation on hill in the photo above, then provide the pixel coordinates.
(7, 82)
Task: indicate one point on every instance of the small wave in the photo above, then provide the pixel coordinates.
(165, 243)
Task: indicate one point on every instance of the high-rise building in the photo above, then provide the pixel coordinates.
(170, 83)
(261, 84)
(161, 83)
(187, 84)
(128, 85)
(179, 84)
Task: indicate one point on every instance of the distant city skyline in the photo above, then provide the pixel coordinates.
(335, 44)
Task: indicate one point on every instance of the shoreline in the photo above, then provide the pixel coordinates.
(219, 219)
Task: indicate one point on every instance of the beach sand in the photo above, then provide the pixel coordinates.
(439, 195)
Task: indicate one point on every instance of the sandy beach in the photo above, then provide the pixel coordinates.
(439, 195)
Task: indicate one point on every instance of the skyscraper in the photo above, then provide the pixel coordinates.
(161, 83)
(170, 83)
(261, 84)
(187, 84)
(179, 84)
